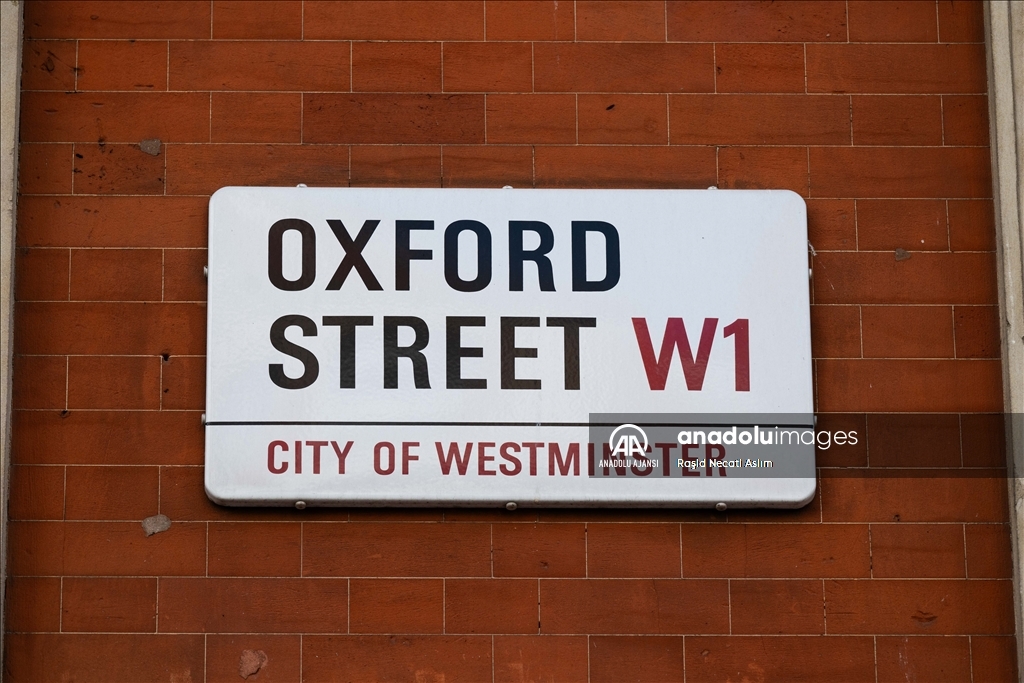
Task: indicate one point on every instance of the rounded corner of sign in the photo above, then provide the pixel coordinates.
(794, 197)
(222, 193)
(811, 484)
(217, 497)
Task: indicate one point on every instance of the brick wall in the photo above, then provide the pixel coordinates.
(874, 111)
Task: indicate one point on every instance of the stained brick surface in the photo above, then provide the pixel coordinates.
(875, 112)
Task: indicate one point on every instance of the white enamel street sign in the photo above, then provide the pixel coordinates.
(453, 346)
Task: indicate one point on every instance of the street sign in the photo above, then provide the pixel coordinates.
(468, 347)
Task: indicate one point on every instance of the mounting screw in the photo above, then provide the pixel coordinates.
(301, 185)
(721, 507)
(507, 187)
(510, 506)
(203, 418)
(206, 272)
(300, 505)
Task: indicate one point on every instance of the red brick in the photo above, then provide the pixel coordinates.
(396, 606)
(115, 117)
(183, 383)
(256, 117)
(753, 21)
(35, 548)
(923, 440)
(831, 225)
(396, 67)
(256, 65)
(794, 606)
(623, 119)
(391, 119)
(988, 551)
(490, 606)
(917, 385)
(204, 169)
(113, 382)
(123, 549)
(41, 274)
(965, 119)
(775, 551)
(396, 165)
(40, 382)
(897, 120)
(114, 493)
(284, 657)
(994, 659)
(397, 549)
(44, 169)
(796, 658)
(961, 21)
(977, 331)
(183, 275)
(892, 22)
(759, 67)
(897, 69)
(919, 607)
(625, 167)
(250, 549)
(940, 660)
(619, 21)
(623, 67)
(913, 496)
(771, 168)
(634, 606)
(835, 331)
(257, 19)
(914, 225)
(48, 65)
(124, 658)
(253, 605)
(541, 550)
(643, 659)
(488, 67)
(116, 274)
(414, 20)
(878, 278)
(36, 492)
(112, 221)
(486, 166)
(900, 172)
(125, 19)
(530, 20)
(633, 550)
(117, 169)
(95, 437)
(109, 605)
(759, 120)
(521, 659)
(982, 440)
(907, 331)
(404, 659)
(33, 604)
(534, 119)
(122, 65)
(917, 550)
(971, 225)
